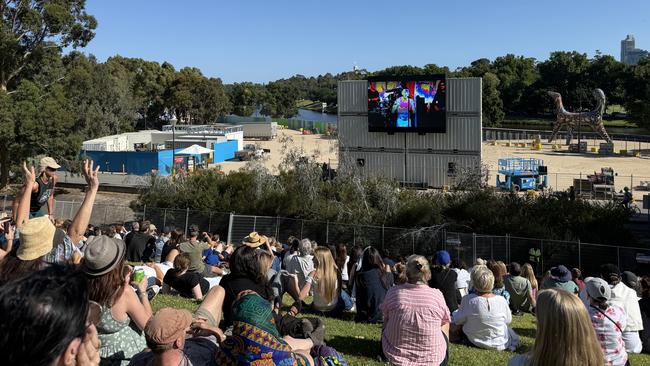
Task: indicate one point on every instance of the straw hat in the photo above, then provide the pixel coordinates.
(36, 238)
(255, 240)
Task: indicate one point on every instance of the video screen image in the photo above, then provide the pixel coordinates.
(407, 105)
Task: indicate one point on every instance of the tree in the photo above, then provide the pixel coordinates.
(516, 75)
(280, 100)
(29, 27)
(566, 73)
(638, 93)
(246, 97)
(608, 74)
(492, 104)
(29, 32)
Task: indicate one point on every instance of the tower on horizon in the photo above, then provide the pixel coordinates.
(631, 55)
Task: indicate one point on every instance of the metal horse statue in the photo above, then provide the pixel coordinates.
(593, 118)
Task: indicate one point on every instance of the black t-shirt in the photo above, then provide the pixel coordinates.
(186, 282)
(140, 247)
(166, 249)
(445, 281)
(236, 284)
(40, 197)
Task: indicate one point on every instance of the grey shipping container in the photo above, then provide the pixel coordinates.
(260, 130)
(412, 157)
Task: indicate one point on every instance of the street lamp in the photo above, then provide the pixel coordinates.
(173, 149)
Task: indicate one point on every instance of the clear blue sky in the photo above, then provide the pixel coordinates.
(264, 40)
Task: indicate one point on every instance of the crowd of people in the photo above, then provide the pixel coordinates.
(72, 293)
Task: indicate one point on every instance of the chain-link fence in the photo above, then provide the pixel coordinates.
(393, 241)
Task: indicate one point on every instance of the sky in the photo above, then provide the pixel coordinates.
(265, 40)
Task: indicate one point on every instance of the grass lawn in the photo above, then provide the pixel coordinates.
(360, 343)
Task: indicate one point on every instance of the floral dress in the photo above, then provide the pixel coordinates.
(120, 340)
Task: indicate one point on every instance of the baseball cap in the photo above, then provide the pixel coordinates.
(167, 326)
(598, 289)
(48, 162)
(442, 257)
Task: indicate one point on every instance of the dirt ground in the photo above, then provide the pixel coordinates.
(325, 149)
(563, 166)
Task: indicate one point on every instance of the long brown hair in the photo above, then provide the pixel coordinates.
(562, 319)
(105, 289)
(12, 267)
(341, 255)
(327, 273)
(498, 271)
(528, 273)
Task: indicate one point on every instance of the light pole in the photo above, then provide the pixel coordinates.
(173, 149)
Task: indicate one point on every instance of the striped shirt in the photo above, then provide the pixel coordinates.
(413, 315)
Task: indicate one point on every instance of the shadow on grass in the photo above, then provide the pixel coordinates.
(354, 346)
(525, 332)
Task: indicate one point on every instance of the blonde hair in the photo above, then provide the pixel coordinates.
(482, 279)
(528, 273)
(327, 273)
(266, 260)
(562, 319)
(417, 269)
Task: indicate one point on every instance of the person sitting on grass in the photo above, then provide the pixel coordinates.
(302, 264)
(416, 320)
(499, 271)
(46, 319)
(565, 336)
(560, 277)
(484, 316)
(245, 274)
(174, 337)
(188, 284)
(520, 289)
(445, 279)
(528, 273)
(194, 248)
(255, 337)
(608, 321)
(325, 282)
(627, 299)
(125, 311)
(371, 283)
(462, 283)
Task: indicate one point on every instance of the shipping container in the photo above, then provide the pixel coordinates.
(260, 130)
(429, 159)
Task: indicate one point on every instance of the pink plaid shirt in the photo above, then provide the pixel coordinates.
(413, 315)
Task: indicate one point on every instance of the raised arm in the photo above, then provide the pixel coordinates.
(26, 199)
(82, 218)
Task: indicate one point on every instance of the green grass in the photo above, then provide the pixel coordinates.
(360, 343)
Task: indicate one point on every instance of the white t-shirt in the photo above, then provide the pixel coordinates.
(485, 322)
(463, 278)
(344, 270)
(625, 297)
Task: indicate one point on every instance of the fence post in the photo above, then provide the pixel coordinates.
(541, 252)
(327, 232)
(579, 256)
(144, 212)
(105, 214)
(71, 210)
(413, 241)
(632, 186)
(580, 183)
(382, 237)
(508, 248)
(210, 223)
(618, 257)
(277, 228)
(187, 219)
(230, 220)
(474, 246)
(165, 218)
(302, 224)
(254, 223)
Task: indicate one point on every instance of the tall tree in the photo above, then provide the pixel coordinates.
(516, 75)
(246, 97)
(28, 27)
(280, 100)
(638, 93)
(565, 73)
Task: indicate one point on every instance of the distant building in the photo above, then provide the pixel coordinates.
(631, 55)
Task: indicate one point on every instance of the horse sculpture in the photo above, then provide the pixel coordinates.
(593, 118)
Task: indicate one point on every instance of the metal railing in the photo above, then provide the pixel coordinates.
(393, 241)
